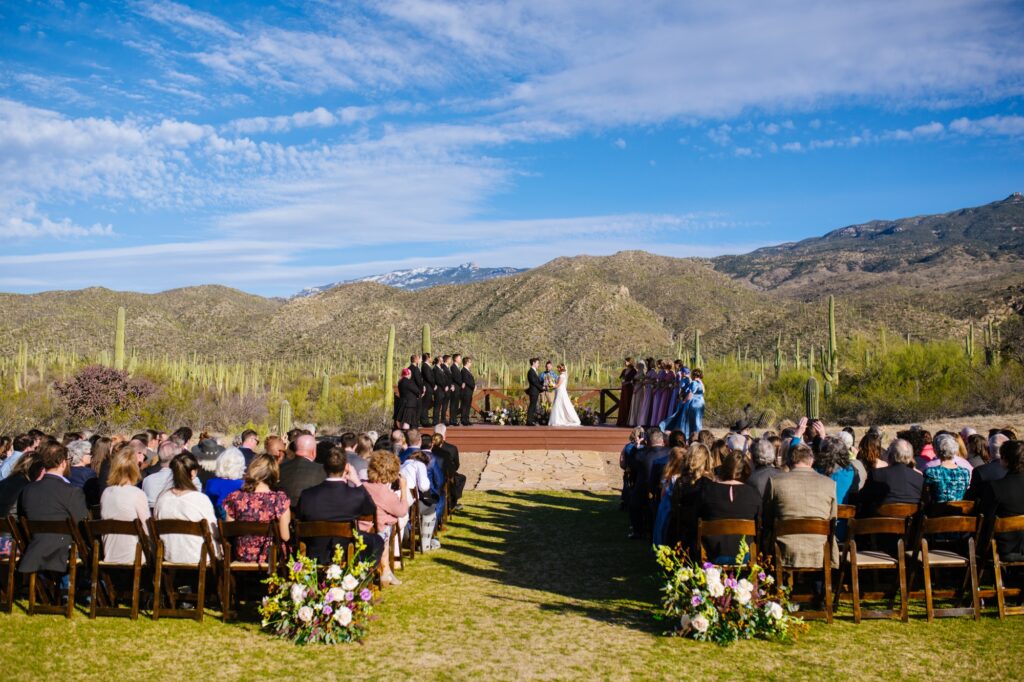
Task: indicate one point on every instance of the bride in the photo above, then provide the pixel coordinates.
(562, 411)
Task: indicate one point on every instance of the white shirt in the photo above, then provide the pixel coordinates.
(159, 481)
(122, 503)
(192, 506)
(415, 474)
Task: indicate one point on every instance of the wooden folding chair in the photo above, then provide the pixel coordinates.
(929, 557)
(1008, 524)
(744, 527)
(230, 531)
(307, 530)
(103, 591)
(414, 523)
(951, 508)
(826, 528)
(9, 525)
(861, 559)
(164, 572)
(51, 593)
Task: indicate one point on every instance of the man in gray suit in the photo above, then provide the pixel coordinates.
(801, 493)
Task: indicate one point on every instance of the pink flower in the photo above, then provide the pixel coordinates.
(366, 595)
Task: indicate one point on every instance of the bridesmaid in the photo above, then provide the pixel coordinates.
(673, 402)
(626, 376)
(664, 393)
(694, 419)
(650, 391)
(674, 421)
(638, 393)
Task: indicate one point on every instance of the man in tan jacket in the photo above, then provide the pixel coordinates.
(801, 493)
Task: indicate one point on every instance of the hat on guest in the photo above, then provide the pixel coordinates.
(208, 449)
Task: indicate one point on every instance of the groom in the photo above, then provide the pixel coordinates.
(534, 388)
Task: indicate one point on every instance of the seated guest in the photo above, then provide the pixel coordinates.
(123, 500)
(28, 468)
(869, 452)
(51, 498)
(858, 466)
(414, 444)
(696, 473)
(993, 470)
(833, 460)
(398, 443)
(899, 483)
(1005, 497)
(352, 444)
(340, 497)
(229, 470)
(258, 501)
(249, 441)
(301, 471)
(161, 480)
(673, 470)
(421, 475)
(728, 498)
(184, 502)
(81, 474)
(449, 455)
(382, 475)
(275, 447)
(946, 482)
(977, 450)
(627, 463)
(801, 493)
(206, 454)
(762, 454)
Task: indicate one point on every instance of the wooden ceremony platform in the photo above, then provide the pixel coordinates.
(487, 437)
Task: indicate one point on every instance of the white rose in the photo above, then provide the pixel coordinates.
(742, 596)
(713, 575)
(298, 593)
(700, 624)
(335, 594)
(774, 610)
(349, 583)
(716, 589)
(745, 585)
(333, 572)
(684, 622)
(305, 614)
(343, 616)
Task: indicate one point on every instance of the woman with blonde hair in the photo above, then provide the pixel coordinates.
(123, 500)
(382, 473)
(696, 472)
(275, 447)
(673, 470)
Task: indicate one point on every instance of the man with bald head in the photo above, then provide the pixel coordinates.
(301, 471)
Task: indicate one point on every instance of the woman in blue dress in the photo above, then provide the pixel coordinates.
(693, 414)
(676, 459)
(674, 422)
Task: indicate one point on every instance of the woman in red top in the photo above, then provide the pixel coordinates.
(258, 501)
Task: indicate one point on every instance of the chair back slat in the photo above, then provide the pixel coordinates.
(846, 511)
(234, 529)
(952, 508)
(325, 529)
(179, 527)
(950, 524)
(726, 527)
(804, 526)
(62, 527)
(878, 525)
(97, 529)
(1008, 524)
(897, 510)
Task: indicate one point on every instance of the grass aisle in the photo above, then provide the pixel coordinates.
(539, 585)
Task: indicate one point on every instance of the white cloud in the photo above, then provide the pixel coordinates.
(318, 117)
(990, 125)
(25, 222)
(620, 143)
(793, 147)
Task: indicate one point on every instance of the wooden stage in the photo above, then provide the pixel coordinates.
(487, 437)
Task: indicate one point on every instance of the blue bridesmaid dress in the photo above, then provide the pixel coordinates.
(693, 419)
(674, 422)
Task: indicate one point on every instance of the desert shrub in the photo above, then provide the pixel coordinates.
(98, 396)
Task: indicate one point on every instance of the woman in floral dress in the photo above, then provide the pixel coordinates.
(258, 501)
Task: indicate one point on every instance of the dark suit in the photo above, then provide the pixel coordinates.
(442, 380)
(894, 484)
(982, 476)
(467, 394)
(534, 387)
(297, 474)
(448, 454)
(455, 395)
(337, 501)
(408, 411)
(1005, 497)
(428, 393)
(50, 499)
(417, 378)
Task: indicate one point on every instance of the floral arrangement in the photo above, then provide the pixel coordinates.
(513, 415)
(587, 414)
(724, 604)
(308, 609)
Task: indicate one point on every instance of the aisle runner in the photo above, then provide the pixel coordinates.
(549, 470)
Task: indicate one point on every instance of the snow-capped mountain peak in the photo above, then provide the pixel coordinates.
(422, 278)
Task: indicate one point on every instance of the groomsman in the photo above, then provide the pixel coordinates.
(441, 381)
(428, 390)
(468, 385)
(534, 387)
(444, 381)
(417, 378)
(455, 404)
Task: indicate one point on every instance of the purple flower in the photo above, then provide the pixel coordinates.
(708, 564)
(730, 582)
(349, 596)
(327, 610)
(761, 576)
(366, 595)
(696, 600)
(297, 566)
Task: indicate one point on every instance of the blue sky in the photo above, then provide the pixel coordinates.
(269, 147)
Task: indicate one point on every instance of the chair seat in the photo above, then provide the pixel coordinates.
(870, 557)
(944, 557)
(248, 565)
(118, 564)
(169, 564)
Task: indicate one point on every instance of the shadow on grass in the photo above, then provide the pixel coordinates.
(568, 548)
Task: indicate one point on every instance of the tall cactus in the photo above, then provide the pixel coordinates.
(796, 356)
(325, 388)
(426, 339)
(696, 348)
(778, 356)
(389, 373)
(969, 344)
(119, 340)
(830, 361)
(811, 398)
(284, 418)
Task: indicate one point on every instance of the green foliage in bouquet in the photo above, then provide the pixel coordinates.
(723, 604)
(309, 609)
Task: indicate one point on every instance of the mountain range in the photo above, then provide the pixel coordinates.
(925, 275)
(422, 278)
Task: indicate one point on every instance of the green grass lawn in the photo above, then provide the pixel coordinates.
(527, 585)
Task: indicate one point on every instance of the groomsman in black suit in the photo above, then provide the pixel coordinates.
(439, 391)
(428, 390)
(444, 383)
(534, 387)
(455, 404)
(417, 378)
(468, 385)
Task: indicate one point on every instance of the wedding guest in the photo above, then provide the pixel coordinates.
(382, 474)
(846, 436)
(81, 474)
(301, 471)
(184, 502)
(162, 479)
(870, 451)
(994, 470)
(696, 473)
(206, 454)
(123, 500)
(762, 455)
(275, 447)
(248, 442)
(407, 406)
(358, 450)
(99, 452)
(947, 481)
(259, 501)
(1005, 497)
(977, 450)
(797, 494)
(833, 461)
(229, 470)
(673, 469)
(728, 498)
(898, 483)
(448, 454)
(28, 468)
(20, 445)
(626, 377)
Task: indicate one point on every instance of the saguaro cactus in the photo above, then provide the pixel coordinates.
(969, 344)
(811, 398)
(389, 373)
(778, 356)
(696, 348)
(284, 418)
(325, 388)
(426, 339)
(119, 340)
(830, 361)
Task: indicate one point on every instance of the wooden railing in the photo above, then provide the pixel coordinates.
(608, 399)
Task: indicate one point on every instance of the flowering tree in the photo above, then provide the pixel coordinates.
(97, 392)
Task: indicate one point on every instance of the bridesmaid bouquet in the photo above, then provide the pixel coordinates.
(307, 609)
(723, 604)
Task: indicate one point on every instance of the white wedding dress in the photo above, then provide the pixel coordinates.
(562, 411)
